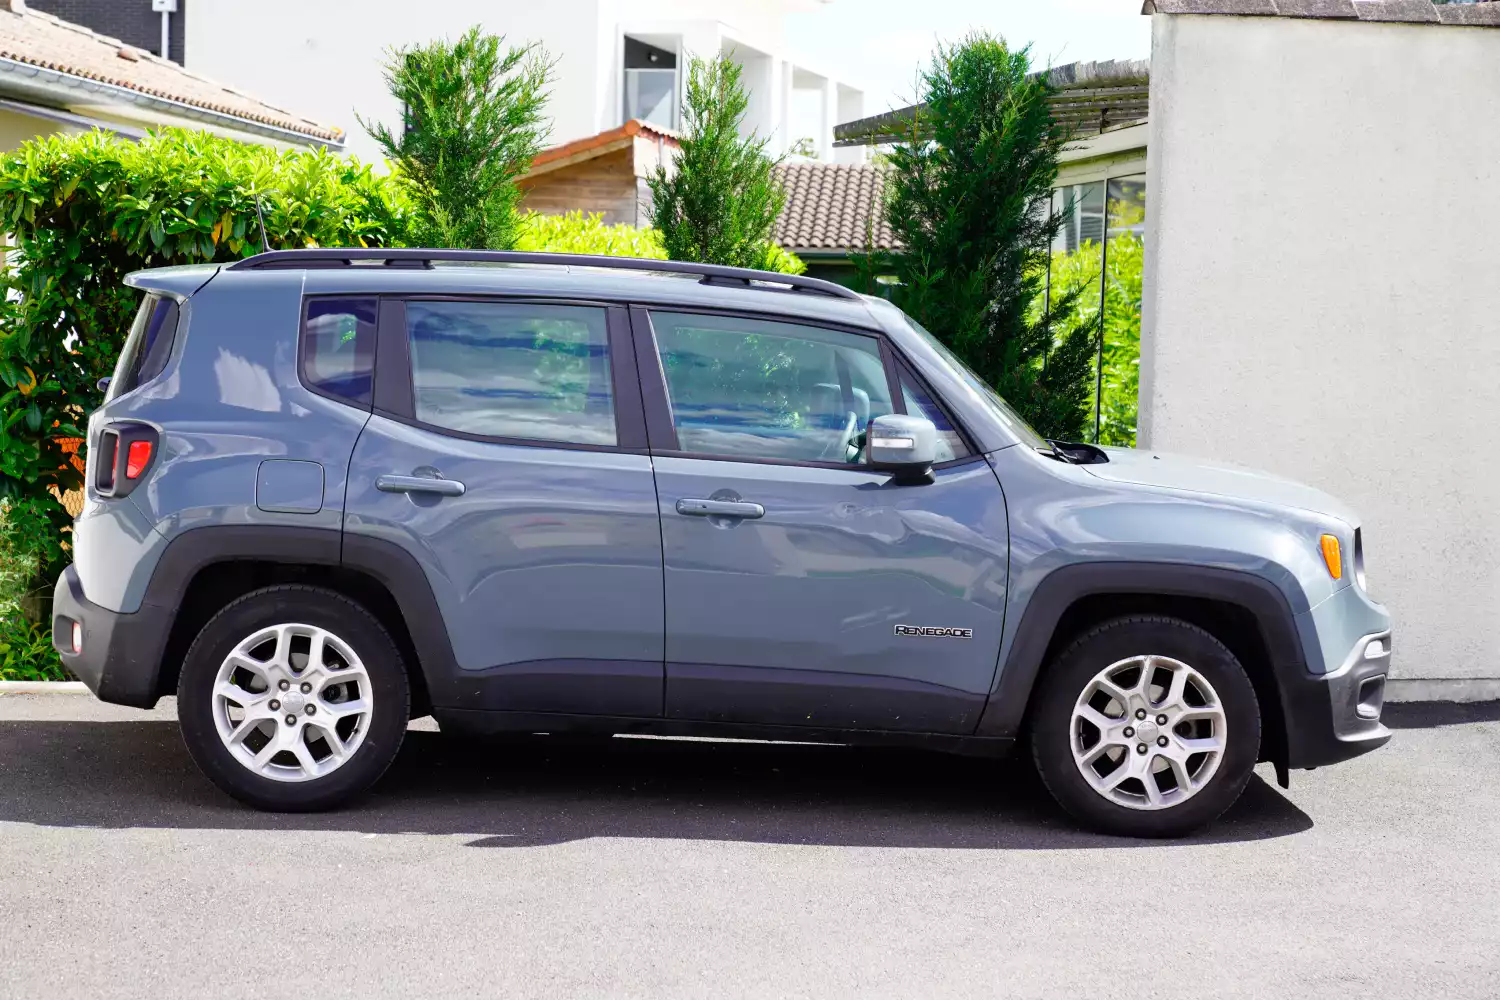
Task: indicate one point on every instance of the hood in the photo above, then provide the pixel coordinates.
(1191, 475)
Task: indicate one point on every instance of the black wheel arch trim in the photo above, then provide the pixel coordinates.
(1296, 689)
(196, 549)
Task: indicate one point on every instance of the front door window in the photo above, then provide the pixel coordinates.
(749, 388)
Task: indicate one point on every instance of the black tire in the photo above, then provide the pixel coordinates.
(311, 606)
(1064, 680)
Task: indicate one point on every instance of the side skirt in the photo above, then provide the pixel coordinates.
(474, 722)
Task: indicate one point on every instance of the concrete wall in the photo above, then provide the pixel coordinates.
(1323, 291)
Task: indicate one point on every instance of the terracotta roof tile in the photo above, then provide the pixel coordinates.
(833, 206)
(37, 39)
(592, 142)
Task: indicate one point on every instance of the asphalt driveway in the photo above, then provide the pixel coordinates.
(655, 868)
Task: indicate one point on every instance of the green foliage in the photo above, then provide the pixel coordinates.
(969, 201)
(26, 652)
(1078, 273)
(85, 211)
(474, 120)
(721, 203)
(27, 542)
(579, 233)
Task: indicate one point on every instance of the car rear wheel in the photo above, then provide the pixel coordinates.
(1146, 727)
(293, 698)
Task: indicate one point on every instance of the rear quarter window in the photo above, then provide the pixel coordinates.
(338, 347)
(147, 346)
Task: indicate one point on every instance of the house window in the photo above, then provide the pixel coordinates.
(650, 84)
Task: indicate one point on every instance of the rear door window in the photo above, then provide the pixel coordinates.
(517, 371)
(148, 345)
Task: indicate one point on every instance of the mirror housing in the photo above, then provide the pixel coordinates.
(903, 445)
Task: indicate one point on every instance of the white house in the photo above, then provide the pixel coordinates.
(615, 60)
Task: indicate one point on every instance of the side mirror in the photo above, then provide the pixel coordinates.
(903, 445)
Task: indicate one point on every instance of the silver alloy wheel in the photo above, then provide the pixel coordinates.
(292, 702)
(1148, 732)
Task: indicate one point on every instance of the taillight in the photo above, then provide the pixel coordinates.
(77, 638)
(122, 458)
(137, 458)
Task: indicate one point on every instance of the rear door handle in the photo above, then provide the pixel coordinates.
(720, 508)
(420, 484)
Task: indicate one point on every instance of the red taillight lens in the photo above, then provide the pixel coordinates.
(137, 458)
(77, 638)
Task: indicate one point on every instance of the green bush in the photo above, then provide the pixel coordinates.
(474, 117)
(579, 233)
(1079, 272)
(720, 203)
(26, 652)
(84, 211)
(967, 198)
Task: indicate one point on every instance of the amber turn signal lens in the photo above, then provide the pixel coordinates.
(1333, 558)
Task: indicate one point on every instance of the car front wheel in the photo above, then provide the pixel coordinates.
(293, 698)
(1146, 727)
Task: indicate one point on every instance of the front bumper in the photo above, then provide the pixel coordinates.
(121, 656)
(1333, 717)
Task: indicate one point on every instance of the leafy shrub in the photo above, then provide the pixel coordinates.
(1079, 272)
(87, 209)
(579, 233)
(967, 198)
(720, 203)
(474, 119)
(26, 652)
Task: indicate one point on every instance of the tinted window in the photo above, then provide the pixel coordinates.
(512, 370)
(338, 347)
(148, 345)
(950, 443)
(757, 389)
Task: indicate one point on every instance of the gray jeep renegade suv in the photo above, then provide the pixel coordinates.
(330, 490)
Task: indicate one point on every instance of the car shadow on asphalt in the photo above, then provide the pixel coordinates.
(1427, 714)
(537, 790)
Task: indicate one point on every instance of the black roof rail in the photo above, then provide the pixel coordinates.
(714, 274)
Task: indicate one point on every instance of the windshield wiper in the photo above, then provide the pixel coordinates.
(1059, 453)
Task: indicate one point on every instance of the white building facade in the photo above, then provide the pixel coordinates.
(614, 60)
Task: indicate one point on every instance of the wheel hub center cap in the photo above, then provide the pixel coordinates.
(1146, 731)
(293, 701)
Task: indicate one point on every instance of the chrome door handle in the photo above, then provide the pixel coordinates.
(720, 508)
(420, 484)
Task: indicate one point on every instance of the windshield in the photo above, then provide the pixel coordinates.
(989, 397)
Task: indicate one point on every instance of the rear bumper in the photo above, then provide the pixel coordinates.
(121, 654)
(1333, 717)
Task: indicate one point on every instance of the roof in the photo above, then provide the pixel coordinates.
(1411, 11)
(1089, 96)
(597, 145)
(833, 206)
(35, 39)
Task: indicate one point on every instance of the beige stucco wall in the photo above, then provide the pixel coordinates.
(1323, 291)
(16, 128)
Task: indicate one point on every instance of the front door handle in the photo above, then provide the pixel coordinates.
(720, 508)
(420, 484)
